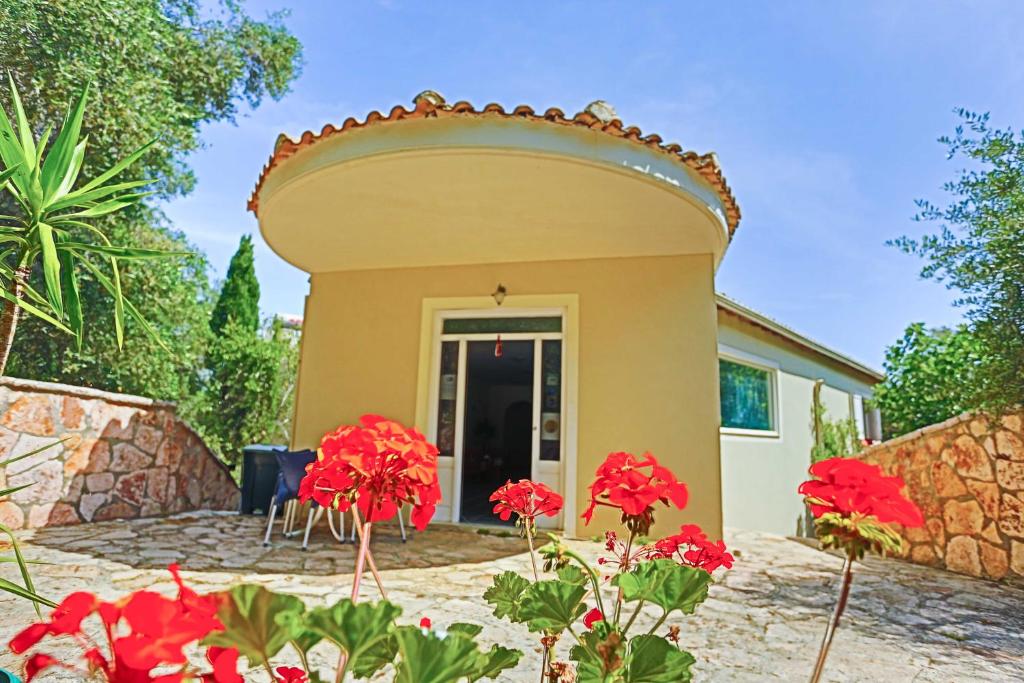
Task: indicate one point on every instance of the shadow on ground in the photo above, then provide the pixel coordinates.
(232, 542)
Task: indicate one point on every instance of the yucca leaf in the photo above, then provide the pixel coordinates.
(80, 198)
(118, 302)
(28, 145)
(105, 282)
(22, 567)
(58, 160)
(14, 489)
(109, 206)
(51, 268)
(69, 283)
(77, 157)
(32, 294)
(118, 167)
(16, 458)
(6, 175)
(40, 146)
(11, 152)
(120, 252)
(34, 311)
(113, 287)
(11, 587)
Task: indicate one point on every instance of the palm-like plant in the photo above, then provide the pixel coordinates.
(53, 229)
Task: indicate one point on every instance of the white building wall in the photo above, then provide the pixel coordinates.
(760, 474)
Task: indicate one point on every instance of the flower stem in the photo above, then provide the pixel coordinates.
(369, 553)
(593, 579)
(658, 624)
(364, 546)
(833, 624)
(529, 540)
(623, 568)
(639, 606)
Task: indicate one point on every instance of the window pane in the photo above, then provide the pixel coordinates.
(551, 397)
(447, 393)
(746, 396)
(496, 325)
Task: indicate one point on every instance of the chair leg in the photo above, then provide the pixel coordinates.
(286, 518)
(309, 527)
(352, 537)
(270, 523)
(401, 526)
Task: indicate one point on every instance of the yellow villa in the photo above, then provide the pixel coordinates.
(533, 291)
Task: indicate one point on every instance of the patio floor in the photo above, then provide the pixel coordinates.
(763, 620)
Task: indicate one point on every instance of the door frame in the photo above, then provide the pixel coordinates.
(434, 312)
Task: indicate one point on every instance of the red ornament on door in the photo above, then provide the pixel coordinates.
(497, 348)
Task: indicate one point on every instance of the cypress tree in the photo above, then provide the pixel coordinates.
(240, 295)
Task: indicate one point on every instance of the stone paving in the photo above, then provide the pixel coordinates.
(762, 621)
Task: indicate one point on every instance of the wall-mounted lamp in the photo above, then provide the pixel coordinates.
(499, 294)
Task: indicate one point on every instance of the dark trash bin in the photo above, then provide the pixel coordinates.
(259, 477)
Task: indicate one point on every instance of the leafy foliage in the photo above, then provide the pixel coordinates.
(426, 657)
(666, 584)
(930, 376)
(160, 68)
(247, 396)
(51, 224)
(654, 660)
(978, 251)
(839, 437)
(505, 593)
(551, 605)
(856, 535)
(240, 294)
(256, 623)
(364, 631)
(28, 590)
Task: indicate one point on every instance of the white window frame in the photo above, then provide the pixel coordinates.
(734, 355)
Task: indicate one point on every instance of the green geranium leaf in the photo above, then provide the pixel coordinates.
(303, 638)
(551, 605)
(254, 622)
(592, 667)
(375, 658)
(504, 595)
(360, 629)
(428, 658)
(652, 659)
(664, 583)
(572, 574)
(471, 630)
(493, 662)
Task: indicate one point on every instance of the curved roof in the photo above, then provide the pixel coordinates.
(598, 116)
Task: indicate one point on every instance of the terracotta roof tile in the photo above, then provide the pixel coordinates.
(431, 105)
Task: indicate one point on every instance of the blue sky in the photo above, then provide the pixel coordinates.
(824, 117)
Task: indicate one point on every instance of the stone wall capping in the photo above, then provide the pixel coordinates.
(33, 386)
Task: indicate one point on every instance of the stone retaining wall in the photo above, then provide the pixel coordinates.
(122, 457)
(967, 476)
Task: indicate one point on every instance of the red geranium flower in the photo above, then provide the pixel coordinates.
(527, 499)
(692, 547)
(851, 487)
(291, 674)
(144, 630)
(592, 617)
(425, 622)
(379, 465)
(634, 485)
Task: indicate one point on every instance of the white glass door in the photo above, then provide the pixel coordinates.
(497, 409)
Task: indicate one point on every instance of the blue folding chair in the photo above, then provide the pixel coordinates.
(291, 470)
